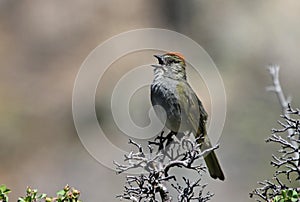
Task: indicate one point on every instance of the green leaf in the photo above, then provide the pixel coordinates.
(61, 192)
(21, 199)
(295, 194)
(290, 193)
(42, 196)
(284, 193)
(7, 191)
(28, 199)
(4, 189)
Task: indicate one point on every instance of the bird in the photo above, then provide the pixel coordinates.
(182, 109)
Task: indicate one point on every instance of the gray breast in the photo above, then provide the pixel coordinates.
(165, 95)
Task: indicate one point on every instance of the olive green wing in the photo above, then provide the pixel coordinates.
(196, 115)
(192, 109)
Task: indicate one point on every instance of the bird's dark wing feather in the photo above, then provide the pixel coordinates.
(192, 107)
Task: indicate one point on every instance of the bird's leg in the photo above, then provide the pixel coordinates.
(163, 141)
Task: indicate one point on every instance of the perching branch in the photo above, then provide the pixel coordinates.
(165, 154)
(187, 193)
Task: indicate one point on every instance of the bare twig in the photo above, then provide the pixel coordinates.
(284, 102)
(165, 154)
(287, 162)
(187, 193)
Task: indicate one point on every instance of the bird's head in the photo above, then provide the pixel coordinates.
(171, 58)
(172, 64)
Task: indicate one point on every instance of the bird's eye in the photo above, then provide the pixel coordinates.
(171, 60)
(175, 60)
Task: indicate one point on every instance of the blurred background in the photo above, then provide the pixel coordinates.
(43, 44)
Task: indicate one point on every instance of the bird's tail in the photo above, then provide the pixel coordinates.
(211, 160)
(213, 166)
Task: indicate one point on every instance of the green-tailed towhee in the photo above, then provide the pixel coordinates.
(183, 109)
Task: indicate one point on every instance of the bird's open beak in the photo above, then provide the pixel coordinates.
(160, 59)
